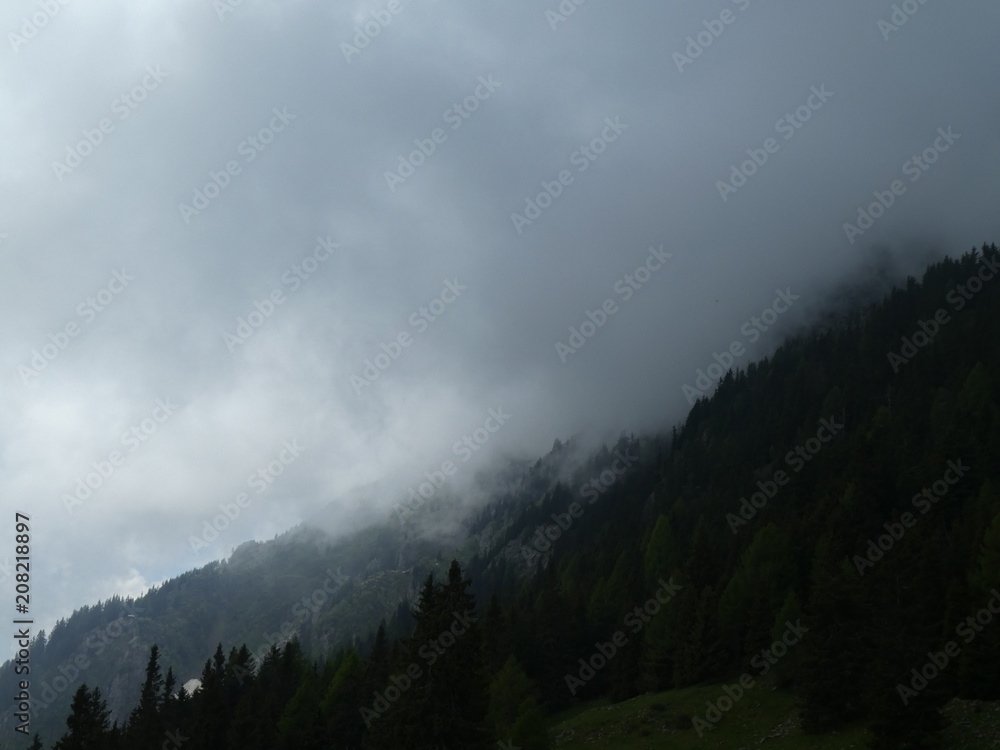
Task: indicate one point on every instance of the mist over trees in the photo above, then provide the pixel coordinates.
(827, 522)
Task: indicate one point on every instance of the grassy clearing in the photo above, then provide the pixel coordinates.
(763, 717)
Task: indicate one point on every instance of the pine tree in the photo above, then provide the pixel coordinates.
(756, 591)
(344, 728)
(377, 668)
(831, 657)
(496, 635)
(168, 702)
(657, 664)
(211, 722)
(145, 725)
(661, 551)
(88, 722)
(550, 641)
(446, 705)
(908, 586)
(238, 675)
(515, 714)
(301, 725)
(244, 729)
(182, 708)
(783, 671)
(981, 658)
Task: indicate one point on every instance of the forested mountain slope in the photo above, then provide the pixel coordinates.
(828, 518)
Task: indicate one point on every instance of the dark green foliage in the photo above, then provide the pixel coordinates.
(146, 725)
(442, 694)
(88, 723)
(515, 715)
(344, 727)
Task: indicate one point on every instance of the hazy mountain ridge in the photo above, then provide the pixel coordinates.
(674, 508)
(364, 577)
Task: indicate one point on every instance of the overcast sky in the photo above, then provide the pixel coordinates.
(452, 186)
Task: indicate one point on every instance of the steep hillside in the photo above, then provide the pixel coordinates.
(299, 585)
(827, 523)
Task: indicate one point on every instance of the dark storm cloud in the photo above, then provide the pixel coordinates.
(216, 148)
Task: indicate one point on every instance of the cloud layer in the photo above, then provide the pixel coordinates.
(233, 227)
